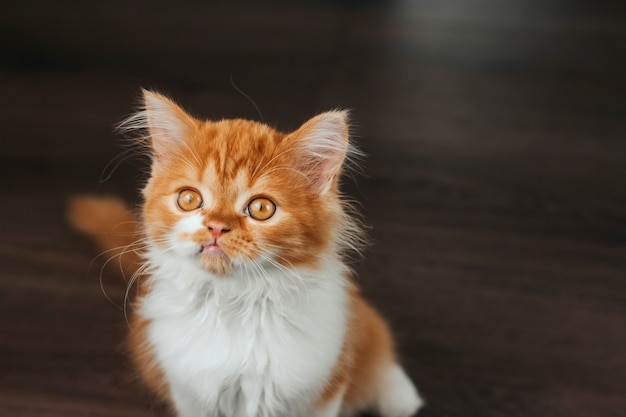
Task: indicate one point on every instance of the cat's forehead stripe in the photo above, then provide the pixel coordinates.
(227, 188)
(231, 146)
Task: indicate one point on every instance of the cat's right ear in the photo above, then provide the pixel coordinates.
(168, 125)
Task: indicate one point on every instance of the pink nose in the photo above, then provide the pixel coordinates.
(217, 229)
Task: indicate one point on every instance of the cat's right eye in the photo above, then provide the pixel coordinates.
(189, 199)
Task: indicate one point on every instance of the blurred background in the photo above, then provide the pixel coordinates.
(494, 183)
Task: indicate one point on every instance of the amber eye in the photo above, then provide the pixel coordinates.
(189, 199)
(261, 208)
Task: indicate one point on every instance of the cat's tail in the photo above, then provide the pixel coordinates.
(112, 225)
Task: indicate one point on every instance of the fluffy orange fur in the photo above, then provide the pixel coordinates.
(214, 155)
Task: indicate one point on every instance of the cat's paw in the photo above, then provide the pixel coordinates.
(399, 398)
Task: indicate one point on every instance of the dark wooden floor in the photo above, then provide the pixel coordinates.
(495, 183)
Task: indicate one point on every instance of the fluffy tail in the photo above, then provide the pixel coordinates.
(112, 225)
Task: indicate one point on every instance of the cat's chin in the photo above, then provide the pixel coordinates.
(215, 261)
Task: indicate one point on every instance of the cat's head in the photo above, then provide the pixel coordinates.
(235, 194)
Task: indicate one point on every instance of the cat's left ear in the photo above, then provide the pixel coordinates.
(321, 146)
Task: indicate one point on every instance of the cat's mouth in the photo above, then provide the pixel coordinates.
(212, 249)
(213, 258)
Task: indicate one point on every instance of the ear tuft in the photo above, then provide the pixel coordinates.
(167, 124)
(322, 145)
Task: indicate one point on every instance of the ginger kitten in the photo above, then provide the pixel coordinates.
(245, 305)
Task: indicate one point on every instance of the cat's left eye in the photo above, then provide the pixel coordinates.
(261, 208)
(189, 199)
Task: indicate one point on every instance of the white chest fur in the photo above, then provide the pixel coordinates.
(246, 345)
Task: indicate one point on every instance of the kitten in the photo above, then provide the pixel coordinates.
(245, 306)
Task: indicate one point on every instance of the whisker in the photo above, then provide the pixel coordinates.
(259, 168)
(110, 168)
